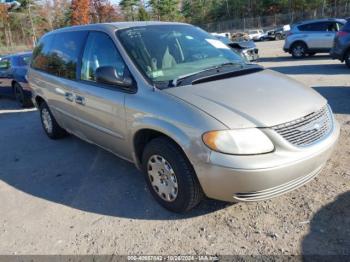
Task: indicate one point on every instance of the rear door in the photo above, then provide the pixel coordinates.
(316, 35)
(100, 108)
(55, 60)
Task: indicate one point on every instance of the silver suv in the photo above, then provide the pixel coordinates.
(311, 37)
(185, 108)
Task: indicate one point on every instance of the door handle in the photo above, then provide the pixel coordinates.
(80, 100)
(69, 97)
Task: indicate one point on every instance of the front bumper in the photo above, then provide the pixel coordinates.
(260, 177)
(251, 54)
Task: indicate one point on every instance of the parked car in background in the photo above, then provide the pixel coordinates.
(275, 34)
(341, 46)
(311, 37)
(13, 81)
(247, 49)
(256, 35)
(184, 108)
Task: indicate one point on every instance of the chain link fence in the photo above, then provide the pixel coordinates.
(278, 20)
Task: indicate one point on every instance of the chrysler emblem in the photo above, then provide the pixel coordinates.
(313, 126)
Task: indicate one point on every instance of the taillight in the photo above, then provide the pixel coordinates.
(342, 33)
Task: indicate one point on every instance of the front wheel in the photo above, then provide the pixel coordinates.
(51, 127)
(299, 50)
(170, 176)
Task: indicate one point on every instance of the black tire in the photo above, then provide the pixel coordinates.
(55, 132)
(278, 37)
(347, 58)
(189, 191)
(20, 97)
(299, 50)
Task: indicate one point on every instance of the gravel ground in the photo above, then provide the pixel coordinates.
(69, 197)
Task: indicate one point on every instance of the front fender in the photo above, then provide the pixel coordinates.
(188, 138)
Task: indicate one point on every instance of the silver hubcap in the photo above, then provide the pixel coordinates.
(47, 121)
(298, 50)
(162, 177)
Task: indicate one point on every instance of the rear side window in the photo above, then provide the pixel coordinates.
(41, 54)
(65, 52)
(320, 26)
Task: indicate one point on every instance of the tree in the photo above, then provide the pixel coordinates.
(103, 11)
(80, 12)
(143, 15)
(165, 10)
(129, 8)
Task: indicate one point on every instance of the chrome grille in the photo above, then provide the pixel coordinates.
(308, 129)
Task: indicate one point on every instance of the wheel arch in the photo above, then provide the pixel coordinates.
(299, 41)
(153, 128)
(38, 100)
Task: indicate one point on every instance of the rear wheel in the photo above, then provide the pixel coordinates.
(20, 97)
(298, 50)
(51, 127)
(170, 176)
(347, 58)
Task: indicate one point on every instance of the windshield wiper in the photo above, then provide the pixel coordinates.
(179, 79)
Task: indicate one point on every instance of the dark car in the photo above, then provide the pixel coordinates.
(247, 49)
(13, 81)
(275, 34)
(341, 46)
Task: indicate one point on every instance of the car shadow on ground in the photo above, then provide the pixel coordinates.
(329, 231)
(338, 97)
(77, 174)
(323, 69)
(289, 58)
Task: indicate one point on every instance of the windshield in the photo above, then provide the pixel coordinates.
(24, 60)
(167, 52)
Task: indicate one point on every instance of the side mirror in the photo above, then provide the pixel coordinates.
(108, 75)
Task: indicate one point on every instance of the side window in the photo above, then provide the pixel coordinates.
(100, 51)
(64, 53)
(41, 55)
(320, 26)
(4, 64)
(332, 27)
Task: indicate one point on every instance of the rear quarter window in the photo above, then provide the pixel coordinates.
(41, 54)
(58, 54)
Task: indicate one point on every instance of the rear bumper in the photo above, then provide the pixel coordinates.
(336, 54)
(271, 175)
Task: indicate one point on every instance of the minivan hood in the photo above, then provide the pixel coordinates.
(261, 99)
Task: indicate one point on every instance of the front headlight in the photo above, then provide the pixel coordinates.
(249, 141)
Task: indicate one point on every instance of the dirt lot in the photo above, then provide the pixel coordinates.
(69, 197)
